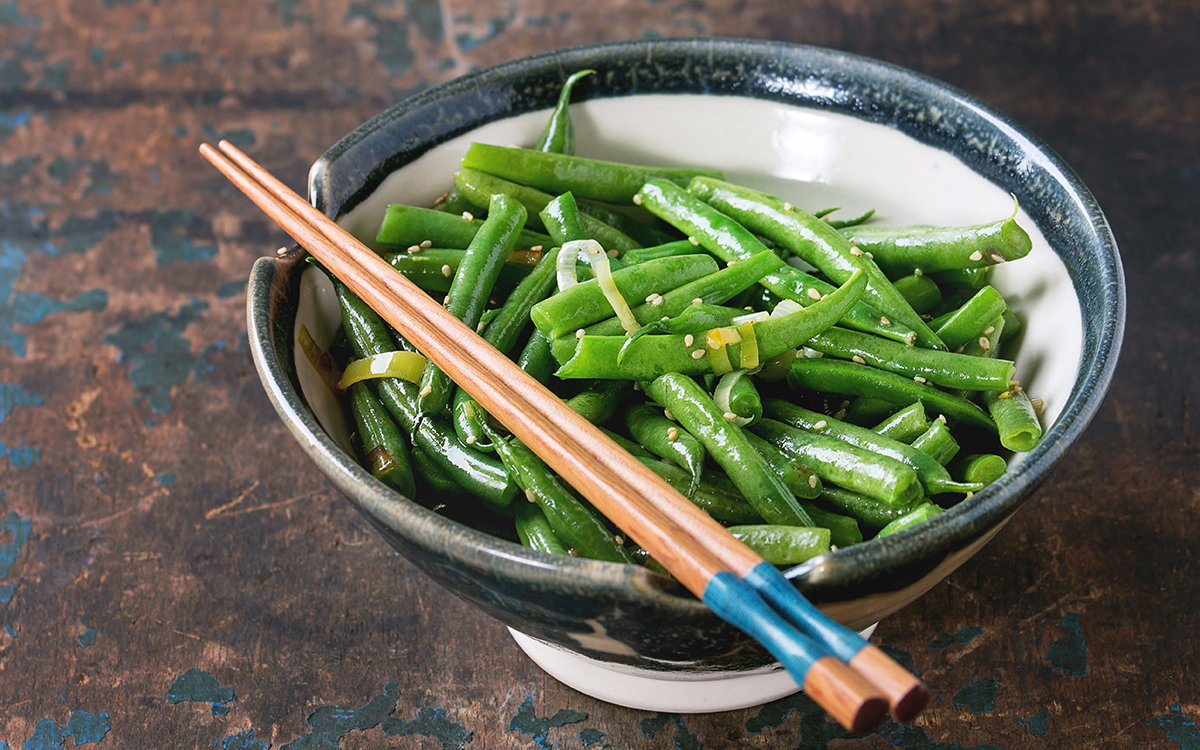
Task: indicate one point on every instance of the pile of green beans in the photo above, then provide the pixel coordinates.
(804, 410)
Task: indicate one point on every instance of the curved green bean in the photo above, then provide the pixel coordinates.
(666, 439)
(901, 250)
(559, 134)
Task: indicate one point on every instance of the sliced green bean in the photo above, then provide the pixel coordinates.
(600, 402)
(479, 187)
(715, 494)
(666, 439)
(783, 545)
(665, 250)
(933, 475)
(800, 479)
(961, 278)
(433, 269)
(1016, 419)
(817, 243)
(411, 226)
(843, 464)
(644, 234)
(585, 303)
(852, 379)
(472, 286)
(562, 220)
(384, 448)
(728, 446)
(921, 513)
(535, 531)
(983, 468)
(594, 179)
(901, 250)
(865, 410)
(868, 511)
(946, 369)
(967, 322)
(905, 425)
(937, 442)
(921, 292)
(536, 358)
(559, 134)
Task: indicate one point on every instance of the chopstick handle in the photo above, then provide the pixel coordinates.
(906, 695)
(851, 700)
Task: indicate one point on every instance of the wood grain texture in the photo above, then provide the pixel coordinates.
(155, 499)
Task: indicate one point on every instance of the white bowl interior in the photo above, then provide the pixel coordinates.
(814, 159)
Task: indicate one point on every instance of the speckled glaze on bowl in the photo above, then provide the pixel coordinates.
(625, 616)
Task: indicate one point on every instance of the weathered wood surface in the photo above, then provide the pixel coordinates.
(153, 502)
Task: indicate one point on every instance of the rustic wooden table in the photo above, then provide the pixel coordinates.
(175, 572)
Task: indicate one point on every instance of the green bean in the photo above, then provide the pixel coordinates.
(559, 134)
(593, 179)
(817, 243)
(665, 439)
(921, 513)
(937, 442)
(946, 369)
(384, 448)
(536, 358)
(922, 292)
(477, 474)
(644, 234)
(433, 270)
(600, 402)
(651, 356)
(851, 379)
(865, 410)
(983, 468)
(479, 187)
(743, 398)
(1016, 419)
(933, 475)
(410, 226)
(437, 483)
(901, 250)
(455, 204)
(868, 511)
(572, 521)
(967, 322)
(585, 303)
(843, 530)
(728, 446)
(562, 220)
(665, 250)
(844, 464)
(1012, 325)
(634, 449)
(801, 480)
(715, 494)
(472, 285)
(535, 531)
(905, 425)
(783, 545)
(731, 242)
(961, 278)
(467, 417)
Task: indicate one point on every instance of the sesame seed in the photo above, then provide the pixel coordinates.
(918, 272)
(414, 248)
(471, 439)
(667, 413)
(479, 328)
(535, 249)
(637, 200)
(281, 251)
(637, 386)
(812, 481)
(688, 340)
(698, 354)
(855, 251)
(787, 206)
(425, 391)
(822, 424)
(984, 344)
(446, 301)
(975, 256)
(618, 539)
(697, 301)
(693, 240)
(531, 496)
(942, 418)
(799, 354)
(579, 334)
(998, 258)
(729, 415)
(989, 329)
(672, 433)
(613, 253)
(731, 264)
(883, 321)
(426, 243)
(655, 299)
(919, 379)
(447, 271)
(870, 255)
(665, 317)
(468, 216)
(858, 359)
(573, 553)
(1037, 404)
(813, 293)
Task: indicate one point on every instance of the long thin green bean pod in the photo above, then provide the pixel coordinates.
(384, 448)
(411, 226)
(535, 531)
(666, 439)
(901, 250)
(905, 425)
(967, 322)
(558, 136)
(783, 545)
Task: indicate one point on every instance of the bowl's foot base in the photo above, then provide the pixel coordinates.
(650, 690)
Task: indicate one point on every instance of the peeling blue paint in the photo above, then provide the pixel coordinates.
(684, 739)
(168, 237)
(13, 395)
(82, 727)
(945, 640)
(7, 591)
(287, 11)
(1036, 723)
(244, 741)
(591, 736)
(1179, 728)
(979, 696)
(391, 38)
(432, 723)
(240, 137)
(21, 530)
(11, 15)
(167, 479)
(9, 123)
(178, 57)
(331, 723)
(231, 289)
(527, 722)
(11, 630)
(1069, 653)
(198, 686)
(87, 637)
(163, 357)
(495, 26)
(100, 175)
(21, 456)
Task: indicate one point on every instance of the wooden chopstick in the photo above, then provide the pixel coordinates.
(695, 548)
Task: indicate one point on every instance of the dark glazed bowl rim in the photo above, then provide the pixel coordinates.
(929, 111)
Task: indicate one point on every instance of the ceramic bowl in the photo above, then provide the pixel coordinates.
(817, 127)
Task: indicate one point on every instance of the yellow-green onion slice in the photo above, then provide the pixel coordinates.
(600, 267)
(724, 390)
(406, 365)
(718, 357)
(749, 353)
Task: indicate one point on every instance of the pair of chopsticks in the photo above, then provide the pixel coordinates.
(850, 678)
